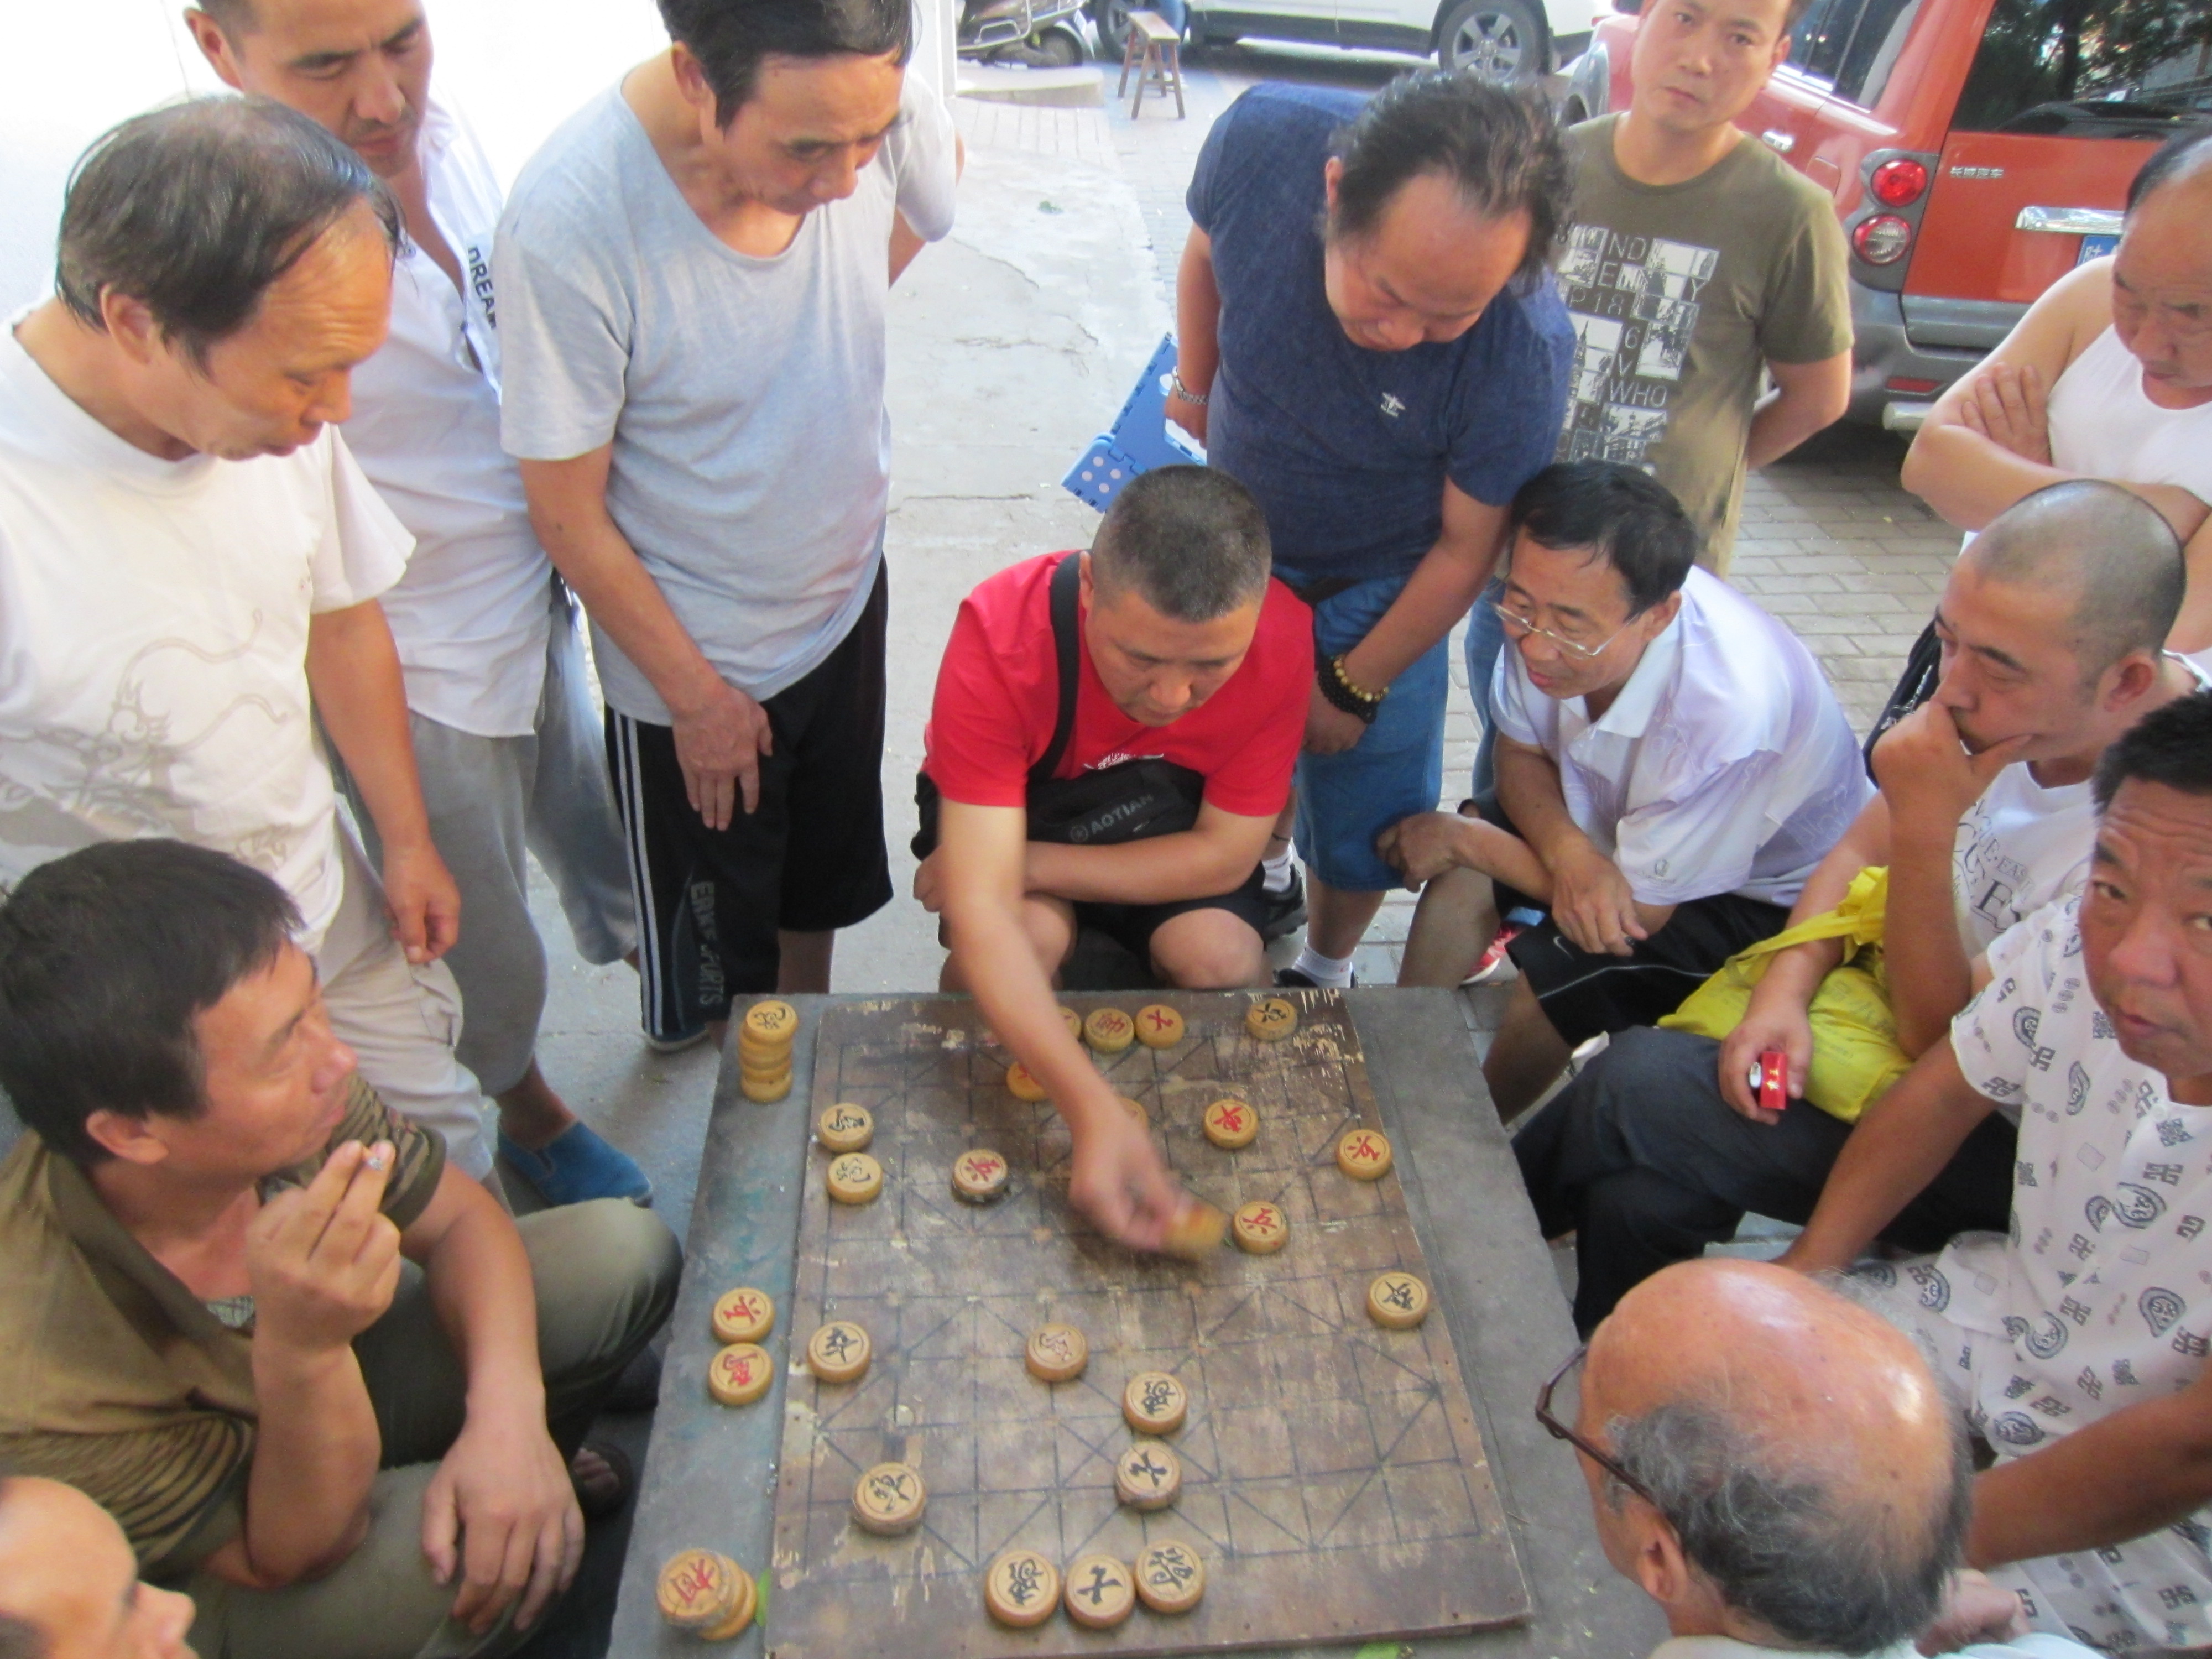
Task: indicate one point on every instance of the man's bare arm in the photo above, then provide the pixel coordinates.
(1901, 1145)
(353, 672)
(324, 1263)
(1591, 900)
(1808, 398)
(1443, 588)
(1118, 1180)
(720, 732)
(1198, 339)
(1213, 857)
(2139, 1469)
(1778, 1015)
(501, 1508)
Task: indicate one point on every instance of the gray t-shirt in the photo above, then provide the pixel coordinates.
(743, 396)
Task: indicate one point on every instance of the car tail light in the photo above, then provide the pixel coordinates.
(1882, 240)
(1898, 183)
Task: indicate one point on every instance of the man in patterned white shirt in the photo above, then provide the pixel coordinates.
(2078, 1343)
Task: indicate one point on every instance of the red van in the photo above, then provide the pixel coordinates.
(1970, 164)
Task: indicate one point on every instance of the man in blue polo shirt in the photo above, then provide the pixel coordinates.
(1368, 342)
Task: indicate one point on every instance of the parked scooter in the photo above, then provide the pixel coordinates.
(1038, 33)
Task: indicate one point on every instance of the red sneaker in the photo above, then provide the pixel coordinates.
(1494, 959)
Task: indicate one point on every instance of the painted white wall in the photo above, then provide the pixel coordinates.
(74, 69)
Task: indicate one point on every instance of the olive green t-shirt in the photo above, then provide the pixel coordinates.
(114, 1378)
(1679, 296)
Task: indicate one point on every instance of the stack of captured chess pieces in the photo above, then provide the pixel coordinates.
(711, 1596)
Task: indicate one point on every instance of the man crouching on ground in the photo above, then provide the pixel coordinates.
(208, 1322)
(1113, 737)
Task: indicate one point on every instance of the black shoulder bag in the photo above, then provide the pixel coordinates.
(1134, 800)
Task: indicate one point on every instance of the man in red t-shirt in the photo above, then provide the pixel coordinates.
(1191, 657)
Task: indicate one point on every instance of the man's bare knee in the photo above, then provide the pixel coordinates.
(1209, 951)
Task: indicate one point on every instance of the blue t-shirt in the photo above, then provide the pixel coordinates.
(1348, 449)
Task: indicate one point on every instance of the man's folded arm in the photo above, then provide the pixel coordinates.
(1219, 854)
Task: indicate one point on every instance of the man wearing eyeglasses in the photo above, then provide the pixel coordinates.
(1775, 1468)
(1672, 766)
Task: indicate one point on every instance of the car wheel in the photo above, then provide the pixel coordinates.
(1112, 17)
(1500, 40)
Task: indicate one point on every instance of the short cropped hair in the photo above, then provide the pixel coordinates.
(107, 956)
(2171, 746)
(2112, 549)
(1627, 515)
(2185, 153)
(1776, 1541)
(199, 207)
(1501, 150)
(1190, 539)
(729, 37)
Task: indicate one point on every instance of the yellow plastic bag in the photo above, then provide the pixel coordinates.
(1855, 1053)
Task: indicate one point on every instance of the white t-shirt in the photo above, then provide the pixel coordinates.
(2102, 1295)
(153, 638)
(744, 396)
(1725, 765)
(2020, 848)
(471, 615)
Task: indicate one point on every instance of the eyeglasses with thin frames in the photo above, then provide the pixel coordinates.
(1520, 627)
(1559, 1430)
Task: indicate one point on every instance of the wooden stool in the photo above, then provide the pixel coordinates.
(1154, 51)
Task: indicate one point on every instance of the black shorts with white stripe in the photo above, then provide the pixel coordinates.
(809, 858)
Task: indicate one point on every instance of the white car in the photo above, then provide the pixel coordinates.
(1515, 41)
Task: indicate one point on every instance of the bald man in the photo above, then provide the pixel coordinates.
(2052, 623)
(1779, 1469)
(2109, 375)
(69, 1586)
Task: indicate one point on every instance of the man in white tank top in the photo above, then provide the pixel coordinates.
(2108, 376)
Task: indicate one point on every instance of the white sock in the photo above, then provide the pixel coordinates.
(1281, 870)
(1333, 972)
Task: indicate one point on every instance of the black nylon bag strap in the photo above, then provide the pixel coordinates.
(1068, 640)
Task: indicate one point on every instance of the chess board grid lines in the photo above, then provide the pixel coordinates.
(1279, 1166)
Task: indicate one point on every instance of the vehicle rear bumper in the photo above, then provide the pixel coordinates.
(1883, 352)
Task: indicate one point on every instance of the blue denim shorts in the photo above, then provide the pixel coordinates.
(1396, 770)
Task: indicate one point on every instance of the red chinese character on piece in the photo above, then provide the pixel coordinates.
(1232, 1119)
(696, 1582)
(1159, 1019)
(986, 1166)
(1364, 1147)
(741, 1372)
(1263, 1219)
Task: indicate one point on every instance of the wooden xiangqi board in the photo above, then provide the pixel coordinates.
(1333, 1479)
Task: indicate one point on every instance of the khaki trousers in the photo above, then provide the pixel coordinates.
(606, 1274)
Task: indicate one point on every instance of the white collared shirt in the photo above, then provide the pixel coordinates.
(1725, 765)
(471, 615)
